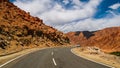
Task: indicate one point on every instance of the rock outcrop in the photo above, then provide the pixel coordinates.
(4, 1)
(108, 40)
(19, 29)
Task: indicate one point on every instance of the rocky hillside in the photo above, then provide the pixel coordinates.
(18, 29)
(107, 39)
(79, 37)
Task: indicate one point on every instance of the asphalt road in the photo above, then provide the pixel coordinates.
(52, 58)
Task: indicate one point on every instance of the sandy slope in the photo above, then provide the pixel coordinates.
(98, 56)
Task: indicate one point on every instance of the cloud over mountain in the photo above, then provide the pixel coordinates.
(71, 15)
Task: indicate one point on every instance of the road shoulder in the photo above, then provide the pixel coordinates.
(7, 58)
(98, 57)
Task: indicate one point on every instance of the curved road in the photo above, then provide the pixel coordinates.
(52, 58)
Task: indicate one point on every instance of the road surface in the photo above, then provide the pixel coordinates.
(61, 57)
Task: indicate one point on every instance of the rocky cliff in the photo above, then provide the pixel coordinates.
(107, 39)
(19, 29)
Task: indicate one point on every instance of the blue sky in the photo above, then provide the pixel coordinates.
(74, 15)
(104, 6)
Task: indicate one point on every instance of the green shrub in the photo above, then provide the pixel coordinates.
(116, 53)
(39, 33)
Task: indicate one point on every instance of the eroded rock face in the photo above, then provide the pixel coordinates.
(107, 39)
(4, 1)
(79, 37)
(19, 28)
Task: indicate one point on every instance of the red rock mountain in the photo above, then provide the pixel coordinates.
(107, 39)
(19, 29)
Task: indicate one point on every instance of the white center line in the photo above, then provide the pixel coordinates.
(52, 53)
(54, 62)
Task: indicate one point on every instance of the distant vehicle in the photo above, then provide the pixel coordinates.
(77, 45)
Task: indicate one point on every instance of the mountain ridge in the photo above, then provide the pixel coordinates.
(18, 29)
(106, 39)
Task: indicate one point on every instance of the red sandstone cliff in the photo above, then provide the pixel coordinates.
(107, 39)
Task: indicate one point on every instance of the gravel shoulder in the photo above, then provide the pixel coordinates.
(96, 55)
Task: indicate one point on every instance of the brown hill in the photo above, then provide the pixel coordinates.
(19, 29)
(107, 39)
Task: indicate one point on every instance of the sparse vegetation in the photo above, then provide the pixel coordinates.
(116, 53)
(39, 33)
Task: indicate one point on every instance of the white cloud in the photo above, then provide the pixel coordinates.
(79, 18)
(66, 1)
(77, 2)
(91, 24)
(55, 14)
(115, 6)
(59, 16)
(34, 6)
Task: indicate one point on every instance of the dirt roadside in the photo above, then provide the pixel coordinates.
(96, 55)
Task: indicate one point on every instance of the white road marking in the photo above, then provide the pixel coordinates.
(18, 58)
(54, 62)
(52, 53)
(10, 61)
(15, 59)
(92, 60)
